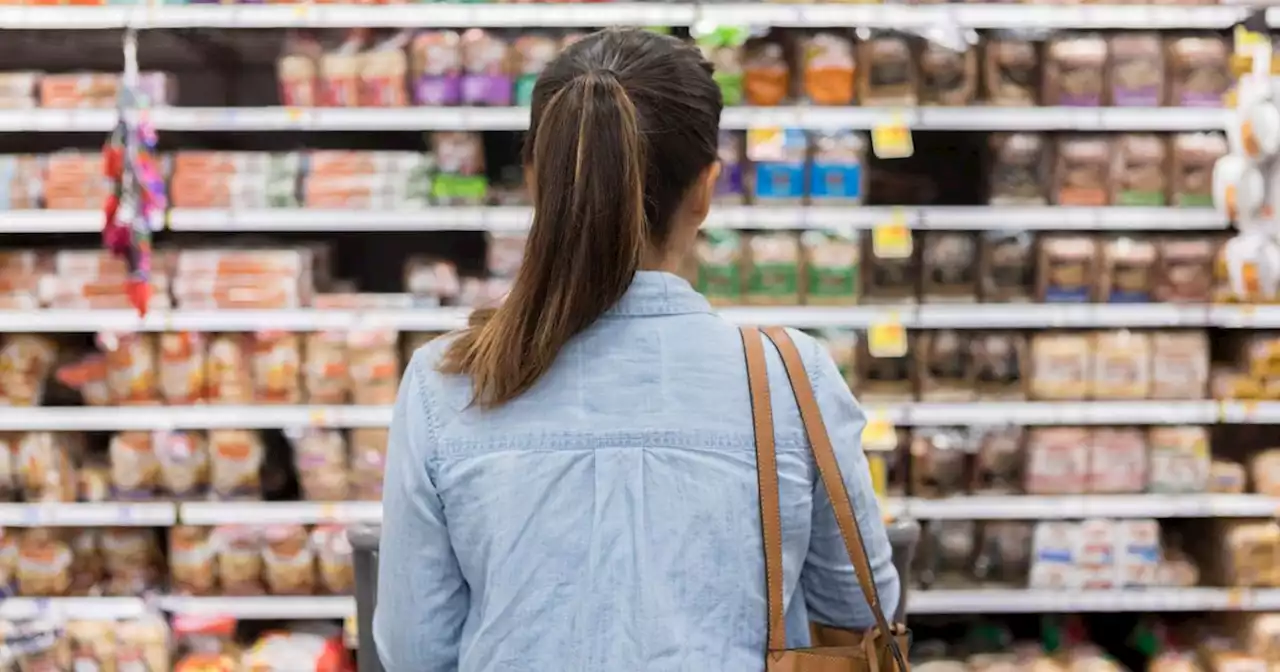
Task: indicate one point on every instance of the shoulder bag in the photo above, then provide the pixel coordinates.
(884, 647)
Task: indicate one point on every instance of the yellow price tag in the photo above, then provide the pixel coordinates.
(892, 139)
(293, 114)
(302, 10)
(1247, 41)
(879, 434)
(887, 338)
(329, 513)
(1238, 598)
(351, 629)
(892, 239)
(318, 417)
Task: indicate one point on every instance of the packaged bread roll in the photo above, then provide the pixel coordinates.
(135, 471)
(830, 263)
(44, 563)
(887, 71)
(1061, 367)
(1121, 365)
(1129, 271)
(229, 373)
(1057, 460)
(1118, 461)
(368, 459)
(1140, 171)
(1179, 364)
(288, 560)
(773, 269)
(191, 560)
(1068, 269)
(236, 457)
(182, 368)
(25, 363)
(320, 457)
(325, 372)
(239, 561)
(1075, 71)
(334, 559)
(132, 371)
(183, 458)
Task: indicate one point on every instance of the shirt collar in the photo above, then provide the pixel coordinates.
(659, 293)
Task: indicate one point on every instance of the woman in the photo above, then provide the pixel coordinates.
(571, 481)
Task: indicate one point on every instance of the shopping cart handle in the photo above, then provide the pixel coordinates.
(904, 536)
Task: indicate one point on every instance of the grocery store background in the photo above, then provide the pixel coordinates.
(1000, 217)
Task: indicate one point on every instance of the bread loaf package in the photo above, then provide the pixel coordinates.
(941, 461)
(486, 69)
(191, 560)
(779, 166)
(1007, 267)
(827, 61)
(720, 263)
(950, 263)
(837, 174)
(1067, 269)
(383, 70)
(288, 561)
(946, 366)
(1118, 461)
(887, 71)
(1020, 169)
(1082, 172)
(948, 76)
(1057, 460)
(1011, 71)
(236, 457)
(368, 459)
(999, 461)
(766, 75)
(1193, 156)
(1140, 169)
(1075, 69)
(1128, 271)
(1199, 75)
(1061, 367)
(1121, 365)
(1185, 270)
(1179, 365)
(732, 153)
(239, 563)
(533, 53)
(1180, 460)
(832, 268)
(1137, 74)
(320, 458)
(334, 553)
(999, 360)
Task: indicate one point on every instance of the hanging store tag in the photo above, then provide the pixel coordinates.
(879, 434)
(892, 139)
(887, 338)
(892, 239)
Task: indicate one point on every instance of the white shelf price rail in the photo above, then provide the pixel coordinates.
(161, 418)
(271, 513)
(266, 607)
(89, 514)
(72, 608)
(1149, 600)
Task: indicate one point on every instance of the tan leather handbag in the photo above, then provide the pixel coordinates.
(884, 647)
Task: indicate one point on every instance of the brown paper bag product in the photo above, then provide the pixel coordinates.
(999, 360)
(831, 265)
(1011, 72)
(1082, 172)
(950, 260)
(1138, 70)
(1121, 365)
(1129, 269)
(1179, 365)
(1193, 156)
(889, 281)
(1007, 267)
(1067, 270)
(886, 379)
(942, 461)
(773, 269)
(1075, 71)
(887, 75)
(828, 63)
(1140, 170)
(1020, 170)
(1199, 75)
(948, 77)
(1061, 367)
(765, 73)
(946, 366)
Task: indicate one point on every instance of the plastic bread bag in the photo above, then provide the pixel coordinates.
(183, 459)
(236, 458)
(288, 560)
(192, 558)
(182, 368)
(239, 563)
(131, 367)
(25, 364)
(320, 459)
(334, 559)
(135, 471)
(276, 362)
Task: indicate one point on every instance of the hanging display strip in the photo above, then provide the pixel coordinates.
(517, 118)
(622, 13)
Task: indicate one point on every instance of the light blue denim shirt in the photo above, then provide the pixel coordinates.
(608, 519)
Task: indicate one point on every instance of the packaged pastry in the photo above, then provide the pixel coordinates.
(998, 361)
(142, 644)
(183, 458)
(45, 468)
(192, 557)
(1118, 461)
(732, 154)
(486, 75)
(1121, 365)
(320, 457)
(720, 265)
(773, 269)
(836, 173)
(766, 75)
(828, 66)
(25, 364)
(239, 561)
(946, 366)
(1067, 270)
(1137, 70)
(229, 370)
(383, 70)
(88, 376)
(1193, 158)
(1184, 271)
(1007, 269)
(1057, 460)
(374, 366)
(948, 77)
(1011, 69)
(275, 362)
(436, 68)
(135, 471)
(887, 75)
(890, 281)
(325, 376)
(298, 72)
(131, 367)
(1139, 171)
(235, 457)
(1128, 271)
(333, 559)
(182, 368)
(723, 48)
(1075, 69)
(941, 461)
(44, 563)
(132, 558)
(340, 72)
(886, 379)
(1083, 171)
(831, 264)
(1061, 367)
(779, 166)
(368, 459)
(1199, 75)
(88, 566)
(999, 460)
(1179, 364)
(950, 260)
(288, 561)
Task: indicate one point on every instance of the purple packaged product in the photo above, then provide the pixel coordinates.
(486, 69)
(490, 90)
(436, 66)
(1137, 70)
(1200, 76)
(437, 90)
(1075, 71)
(729, 186)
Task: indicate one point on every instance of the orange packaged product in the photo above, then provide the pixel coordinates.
(235, 461)
(220, 264)
(89, 264)
(242, 294)
(25, 364)
(88, 376)
(205, 163)
(766, 77)
(94, 90)
(329, 162)
(131, 368)
(298, 72)
(325, 374)
(340, 73)
(184, 463)
(191, 560)
(828, 63)
(375, 367)
(276, 363)
(228, 370)
(382, 74)
(342, 192)
(182, 367)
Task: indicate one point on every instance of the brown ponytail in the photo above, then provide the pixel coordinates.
(603, 191)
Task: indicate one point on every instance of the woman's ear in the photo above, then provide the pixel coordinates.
(704, 191)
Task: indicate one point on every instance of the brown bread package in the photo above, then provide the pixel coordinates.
(887, 71)
(999, 360)
(1057, 460)
(1129, 270)
(1061, 367)
(946, 366)
(886, 379)
(1193, 156)
(1021, 167)
(1185, 270)
(941, 461)
(950, 261)
(1140, 171)
(827, 62)
(1199, 75)
(1011, 72)
(1007, 272)
(766, 75)
(890, 281)
(1075, 69)
(1082, 171)
(1067, 269)
(948, 77)
(1118, 461)
(1179, 365)
(1137, 76)
(1121, 365)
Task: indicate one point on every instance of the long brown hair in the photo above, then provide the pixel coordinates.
(623, 124)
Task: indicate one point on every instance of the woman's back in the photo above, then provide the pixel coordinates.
(608, 517)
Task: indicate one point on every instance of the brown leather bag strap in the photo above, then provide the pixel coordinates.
(767, 480)
(829, 470)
